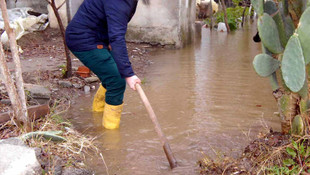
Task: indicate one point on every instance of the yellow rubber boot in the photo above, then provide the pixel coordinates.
(99, 99)
(112, 116)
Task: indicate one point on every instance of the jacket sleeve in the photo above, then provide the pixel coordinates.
(118, 14)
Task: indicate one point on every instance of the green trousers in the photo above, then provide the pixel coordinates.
(101, 62)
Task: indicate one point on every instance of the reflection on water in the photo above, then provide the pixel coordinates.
(207, 98)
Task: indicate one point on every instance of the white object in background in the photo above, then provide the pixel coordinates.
(221, 27)
(22, 23)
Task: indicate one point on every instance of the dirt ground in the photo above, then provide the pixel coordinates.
(43, 59)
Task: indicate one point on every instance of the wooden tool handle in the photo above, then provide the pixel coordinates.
(163, 139)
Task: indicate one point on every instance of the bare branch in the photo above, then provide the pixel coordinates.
(61, 5)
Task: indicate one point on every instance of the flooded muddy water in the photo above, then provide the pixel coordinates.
(207, 98)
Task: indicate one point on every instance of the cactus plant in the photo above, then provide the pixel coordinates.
(293, 65)
(272, 10)
(286, 45)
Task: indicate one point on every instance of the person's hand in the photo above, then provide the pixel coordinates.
(132, 81)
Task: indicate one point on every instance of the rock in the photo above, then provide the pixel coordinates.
(74, 69)
(65, 84)
(18, 159)
(13, 141)
(58, 164)
(38, 91)
(75, 171)
(55, 89)
(77, 86)
(91, 79)
(86, 89)
(37, 94)
(3, 90)
(6, 101)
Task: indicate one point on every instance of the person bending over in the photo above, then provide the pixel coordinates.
(96, 36)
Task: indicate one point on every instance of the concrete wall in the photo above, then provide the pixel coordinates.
(72, 7)
(187, 21)
(164, 22)
(36, 5)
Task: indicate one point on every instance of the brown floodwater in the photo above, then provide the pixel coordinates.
(207, 98)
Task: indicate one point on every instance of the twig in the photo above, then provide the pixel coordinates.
(226, 168)
(106, 167)
(61, 5)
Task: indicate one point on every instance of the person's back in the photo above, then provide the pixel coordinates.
(89, 27)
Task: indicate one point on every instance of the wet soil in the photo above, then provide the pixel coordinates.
(264, 152)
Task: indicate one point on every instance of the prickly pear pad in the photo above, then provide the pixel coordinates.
(293, 65)
(304, 34)
(265, 65)
(268, 32)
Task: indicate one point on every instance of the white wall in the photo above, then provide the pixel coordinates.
(167, 22)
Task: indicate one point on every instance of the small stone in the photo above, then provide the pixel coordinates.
(55, 89)
(91, 79)
(6, 101)
(77, 86)
(86, 89)
(65, 84)
(37, 91)
(75, 171)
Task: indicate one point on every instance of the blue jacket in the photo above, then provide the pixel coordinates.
(103, 22)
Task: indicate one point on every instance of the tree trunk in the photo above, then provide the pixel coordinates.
(225, 15)
(243, 13)
(211, 17)
(62, 31)
(288, 108)
(19, 107)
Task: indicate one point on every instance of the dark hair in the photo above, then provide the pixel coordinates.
(146, 2)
